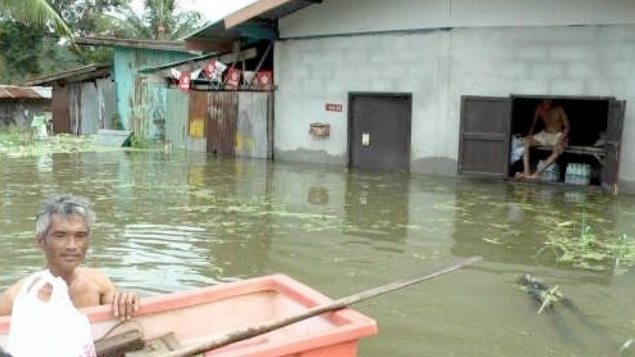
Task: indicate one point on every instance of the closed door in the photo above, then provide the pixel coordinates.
(379, 131)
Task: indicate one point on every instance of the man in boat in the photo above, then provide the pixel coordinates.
(62, 230)
(554, 134)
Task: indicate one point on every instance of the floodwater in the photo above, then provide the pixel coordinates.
(170, 222)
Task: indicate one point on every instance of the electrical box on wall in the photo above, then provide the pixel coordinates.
(320, 129)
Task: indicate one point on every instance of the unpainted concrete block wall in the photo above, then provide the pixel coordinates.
(438, 67)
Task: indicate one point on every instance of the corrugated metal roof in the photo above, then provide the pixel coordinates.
(257, 21)
(77, 74)
(15, 92)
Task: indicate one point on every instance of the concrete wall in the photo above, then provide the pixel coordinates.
(357, 16)
(438, 67)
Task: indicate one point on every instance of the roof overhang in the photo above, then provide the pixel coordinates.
(78, 74)
(178, 46)
(258, 21)
(8, 92)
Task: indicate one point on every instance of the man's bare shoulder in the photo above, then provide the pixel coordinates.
(7, 297)
(95, 276)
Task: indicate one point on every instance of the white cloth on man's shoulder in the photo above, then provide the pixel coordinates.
(53, 327)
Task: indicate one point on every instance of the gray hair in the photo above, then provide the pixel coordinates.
(66, 206)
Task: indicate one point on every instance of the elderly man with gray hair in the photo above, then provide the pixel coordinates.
(63, 228)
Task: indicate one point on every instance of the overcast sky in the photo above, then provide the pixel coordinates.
(211, 9)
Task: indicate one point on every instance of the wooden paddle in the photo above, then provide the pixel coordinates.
(241, 334)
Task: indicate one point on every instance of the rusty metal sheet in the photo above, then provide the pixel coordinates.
(254, 125)
(107, 104)
(223, 115)
(198, 122)
(176, 118)
(74, 109)
(88, 109)
(60, 104)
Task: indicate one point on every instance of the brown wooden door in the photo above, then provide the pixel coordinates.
(379, 131)
(611, 167)
(484, 136)
(223, 119)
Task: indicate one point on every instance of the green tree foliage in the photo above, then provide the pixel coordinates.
(35, 34)
(161, 20)
(84, 16)
(20, 46)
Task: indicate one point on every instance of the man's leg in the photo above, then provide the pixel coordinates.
(527, 143)
(558, 149)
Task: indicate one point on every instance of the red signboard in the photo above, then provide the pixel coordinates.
(264, 80)
(233, 78)
(210, 69)
(185, 81)
(333, 107)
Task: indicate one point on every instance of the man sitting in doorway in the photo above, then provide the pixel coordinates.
(555, 134)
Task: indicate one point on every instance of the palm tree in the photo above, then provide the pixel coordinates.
(160, 20)
(38, 12)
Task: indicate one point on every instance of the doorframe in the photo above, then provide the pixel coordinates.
(398, 95)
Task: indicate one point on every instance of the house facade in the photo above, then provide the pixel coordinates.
(140, 103)
(438, 52)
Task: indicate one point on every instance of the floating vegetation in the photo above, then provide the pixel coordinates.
(587, 250)
(20, 143)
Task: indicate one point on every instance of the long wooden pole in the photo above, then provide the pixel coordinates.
(241, 334)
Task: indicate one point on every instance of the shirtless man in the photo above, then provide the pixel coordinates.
(62, 230)
(555, 134)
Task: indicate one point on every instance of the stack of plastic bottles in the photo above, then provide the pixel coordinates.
(578, 173)
(551, 173)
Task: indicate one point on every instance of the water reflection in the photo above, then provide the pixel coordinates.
(376, 207)
(175, 221)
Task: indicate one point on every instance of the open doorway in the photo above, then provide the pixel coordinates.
(584, 152)
(493, 128)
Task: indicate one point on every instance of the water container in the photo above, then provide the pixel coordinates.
(569, 173)
(585, 174)
(550, 173)
(578, 173)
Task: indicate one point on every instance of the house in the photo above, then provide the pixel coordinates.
(140, 105)
(83, 100)
(442, 87)
(18, 105)
(151, 102)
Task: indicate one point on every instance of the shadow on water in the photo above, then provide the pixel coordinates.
(169, 222)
